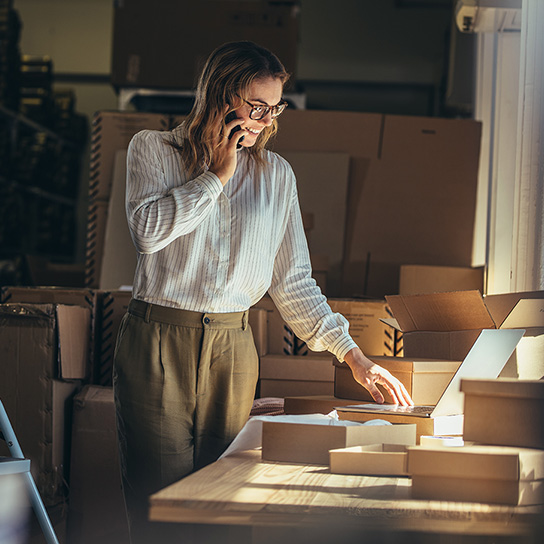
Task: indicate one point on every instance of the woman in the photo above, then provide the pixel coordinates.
(216, 222)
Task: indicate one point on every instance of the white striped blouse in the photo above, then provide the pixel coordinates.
(215, 249)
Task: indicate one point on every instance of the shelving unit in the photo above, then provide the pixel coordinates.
(39, 186)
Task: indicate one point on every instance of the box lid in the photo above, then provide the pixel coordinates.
(441, 312)
(504, 387)
(517, 310)
(477, 461)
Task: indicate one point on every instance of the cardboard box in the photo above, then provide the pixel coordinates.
(314, 404)
(286, 388)
(147, 42)
(64, 346)
(310, 443)
(320, 270)
(113, 306)
(119, 256)
(280, 337)
(258, 321)
(288, 375)
(486, 358)
(449, 425)
(314, 171)
(106, 308)
(86, 298)
(489, 474)
(37, 403)
(405, 165)
(445, 325)
(366, 327)
(506, 412)
(418, 279)
(97, 216)
(424, 379)
(373, 459)
(523, 310)
(96, 509)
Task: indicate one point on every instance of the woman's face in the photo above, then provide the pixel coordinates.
(262, 92)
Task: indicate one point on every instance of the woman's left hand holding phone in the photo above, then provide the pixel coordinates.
(224, 157)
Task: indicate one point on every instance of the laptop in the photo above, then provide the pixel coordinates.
(485, 360)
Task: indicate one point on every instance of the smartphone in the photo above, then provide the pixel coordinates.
(230, 117)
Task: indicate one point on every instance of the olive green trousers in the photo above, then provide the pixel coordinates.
(184, 384)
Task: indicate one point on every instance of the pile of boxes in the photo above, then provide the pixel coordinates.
(288, 368)
(495, 451)
(504, 464)
(55, 383)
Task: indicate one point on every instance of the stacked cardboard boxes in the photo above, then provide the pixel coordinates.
(44, 351)
(410, 198)
(290, 369)
(505, 465)
(444, 327)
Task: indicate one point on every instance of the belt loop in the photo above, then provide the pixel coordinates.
(147, 315)
(245, 318)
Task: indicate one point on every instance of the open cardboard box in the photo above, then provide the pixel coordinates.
(84, 297)
(486, 359)
(506, 412)
(66, 355)
(489, 474)
(424, 379)
(372, 459)
(446, 325)
(310, 443)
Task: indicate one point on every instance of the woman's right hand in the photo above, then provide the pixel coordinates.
(224, 156)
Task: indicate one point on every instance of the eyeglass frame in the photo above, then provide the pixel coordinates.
(267, 109)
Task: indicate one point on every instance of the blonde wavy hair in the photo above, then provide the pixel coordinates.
(225, 80)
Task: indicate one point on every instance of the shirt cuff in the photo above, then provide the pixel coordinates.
(342, 346)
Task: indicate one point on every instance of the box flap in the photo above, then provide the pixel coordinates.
(392, 322)
(527, 313)
(504, 387)
(74, 325)
(442, 312)
(505, 306)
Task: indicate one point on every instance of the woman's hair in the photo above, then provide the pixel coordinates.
(225, 80)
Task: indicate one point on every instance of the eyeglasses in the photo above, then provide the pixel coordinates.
(259, 111)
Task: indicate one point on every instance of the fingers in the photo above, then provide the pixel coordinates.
(370, 375)
(395, 388)
(398, 393)
(375, 392)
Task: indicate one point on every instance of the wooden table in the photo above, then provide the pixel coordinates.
(285, 502)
